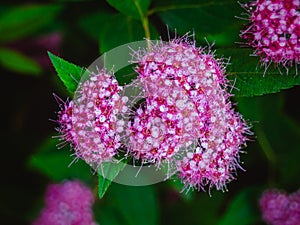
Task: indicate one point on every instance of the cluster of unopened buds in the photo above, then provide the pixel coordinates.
(182, 116)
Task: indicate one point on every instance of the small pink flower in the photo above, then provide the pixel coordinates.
(166, 122)
(96, 119)
(91, 122)
(67, 203)
(37, 47)
(274, 31)
(214, 160)
(278, 208)
(154, 136)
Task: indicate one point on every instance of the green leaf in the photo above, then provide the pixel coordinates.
(242, 209)
(277, 138)
(106, 214)
(126, 75)
(137, 204)
(214, 20)
(95, 20)
(24, 20)
(17, 62)
(107, 172)
(56, 163)
(132, 8)
(288, 152)
(202, 209)
(122, 30)
(258, 108)
(118, 31)
(249, 79)
(68, 72)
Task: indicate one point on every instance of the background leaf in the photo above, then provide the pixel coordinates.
(242, 209)
(107, 172)
(214, 20)
(68, 72)
(121, 30)
(56, 164)
(107, 215)
(132, 8)
(137, 204)
(93, 23)
(271, 126)
(201, 209)
(22, 21)
(17, 62)
(251, 80)
(126, 75)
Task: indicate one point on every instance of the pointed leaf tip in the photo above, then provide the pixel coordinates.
(69, 73)
(107, 172)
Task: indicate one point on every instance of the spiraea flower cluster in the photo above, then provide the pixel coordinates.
(69, 202)
(185, 89)
(279, 208)
(93, 122)
(274, 31)
(185, 118)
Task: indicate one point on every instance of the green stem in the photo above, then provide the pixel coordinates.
(145, 22)
(268, 151)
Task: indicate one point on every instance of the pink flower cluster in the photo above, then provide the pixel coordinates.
(92, 122)
(190, 113)
(186, 119)
(278, 208)
(67, 203)
(274, 30)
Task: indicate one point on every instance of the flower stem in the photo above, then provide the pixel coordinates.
(145, 23)
(268, 151)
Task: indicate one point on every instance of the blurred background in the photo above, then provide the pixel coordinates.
(80, 31)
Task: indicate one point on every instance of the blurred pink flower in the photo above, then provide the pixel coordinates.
(37, 47)
(278, 208)
(67, 203)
